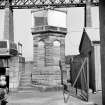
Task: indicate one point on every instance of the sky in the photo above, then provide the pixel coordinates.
(75, 24)
(23, 22)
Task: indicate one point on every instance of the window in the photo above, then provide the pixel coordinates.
(56, 43)
(3, 44)
(40, 44)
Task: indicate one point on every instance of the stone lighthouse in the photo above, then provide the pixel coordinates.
(48, 49)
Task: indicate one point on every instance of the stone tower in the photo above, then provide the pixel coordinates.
(49, 48)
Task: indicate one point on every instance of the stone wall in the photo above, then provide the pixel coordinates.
(17, 66)
(28, 67)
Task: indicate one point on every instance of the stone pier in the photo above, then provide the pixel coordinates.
(49, 48)
(12, 62)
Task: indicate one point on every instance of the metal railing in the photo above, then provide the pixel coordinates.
(82, 77)
(30, 4)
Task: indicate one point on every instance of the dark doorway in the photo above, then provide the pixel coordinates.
(2, 71)
(3, 75)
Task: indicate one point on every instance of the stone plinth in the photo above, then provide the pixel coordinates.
(49, 48)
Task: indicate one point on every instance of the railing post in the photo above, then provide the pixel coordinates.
(61, 72)
(81, 82)
(76, 88)
(87, 78)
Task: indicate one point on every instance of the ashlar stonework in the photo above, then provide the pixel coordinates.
(49, 48)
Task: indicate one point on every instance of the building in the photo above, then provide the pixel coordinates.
(11, 63)
(90, 47)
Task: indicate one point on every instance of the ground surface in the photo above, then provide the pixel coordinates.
(48, 98)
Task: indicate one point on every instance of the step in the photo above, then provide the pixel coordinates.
(24, 85)
(25, 80)
(21, 104)
(26, 89)
(22, 81)
(25, 76)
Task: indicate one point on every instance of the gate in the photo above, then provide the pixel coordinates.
(79, 83)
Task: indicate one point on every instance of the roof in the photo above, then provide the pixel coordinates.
(92, 33)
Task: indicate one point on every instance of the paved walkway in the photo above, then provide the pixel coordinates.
(96, 98)
(47, 98)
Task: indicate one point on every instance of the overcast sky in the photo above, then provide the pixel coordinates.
(23, 23)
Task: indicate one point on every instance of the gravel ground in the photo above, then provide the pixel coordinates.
(48, 98)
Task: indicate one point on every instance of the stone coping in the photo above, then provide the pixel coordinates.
(47, 28)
